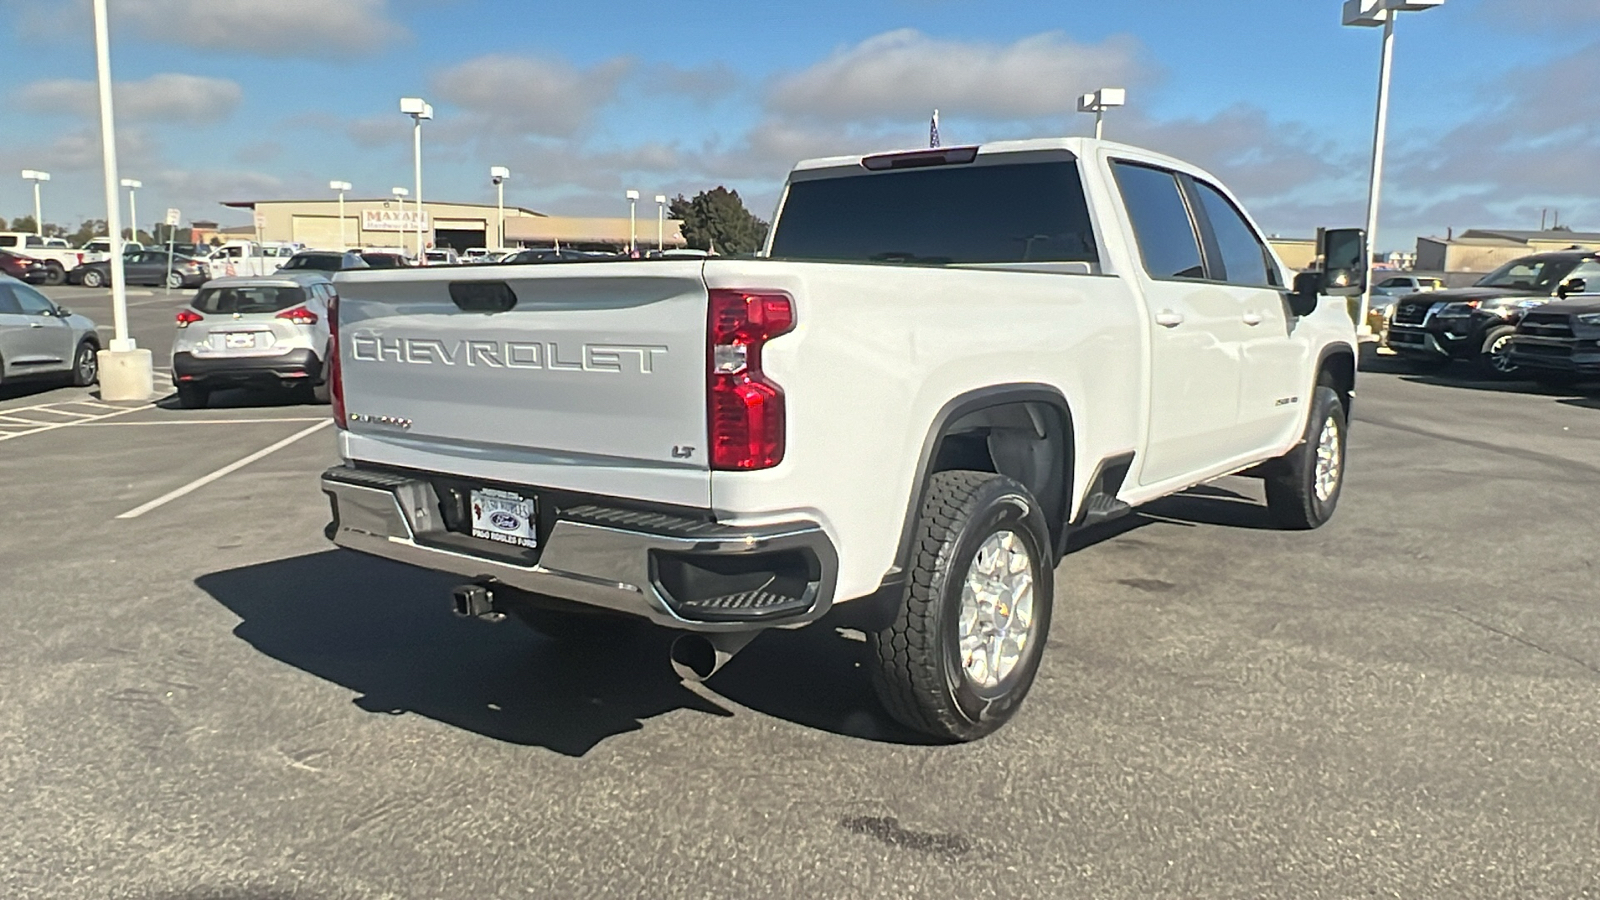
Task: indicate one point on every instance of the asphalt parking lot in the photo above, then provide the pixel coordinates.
(202, 699)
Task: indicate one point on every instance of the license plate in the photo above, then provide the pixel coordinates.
(239, 341)
(504, 517)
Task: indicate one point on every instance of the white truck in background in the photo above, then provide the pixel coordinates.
(942, 364)
(250, 257)
(57, 255)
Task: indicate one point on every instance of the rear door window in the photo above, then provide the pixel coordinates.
(248, 299)
(969, 213)
(32, 302)
(8, 302)
(1161, 222)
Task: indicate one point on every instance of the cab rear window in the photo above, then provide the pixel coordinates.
(248, 299)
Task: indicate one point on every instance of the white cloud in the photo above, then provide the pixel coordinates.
(907, 73)
(169, 97)
(527, 95)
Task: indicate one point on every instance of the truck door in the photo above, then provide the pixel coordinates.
(1274, 362)
(1196, 332)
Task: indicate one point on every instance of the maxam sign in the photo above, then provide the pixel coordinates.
(393, 220)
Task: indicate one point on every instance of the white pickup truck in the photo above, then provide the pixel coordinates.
(942, 363)
(57, 255)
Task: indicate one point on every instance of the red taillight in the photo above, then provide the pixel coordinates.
(187, 317)
(744, 408)
(299, 316)
(333, 377)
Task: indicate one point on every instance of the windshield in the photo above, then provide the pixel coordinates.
(381, 260)
(249, 299)
(1530, 274)
(321, 262)
(998, 213)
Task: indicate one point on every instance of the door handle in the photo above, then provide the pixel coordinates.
(1251, 318)
(35, 324)
(1169, 319)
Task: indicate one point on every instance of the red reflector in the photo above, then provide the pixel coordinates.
(744, 408)
(299, 316)
(334, 378)
(187, 317)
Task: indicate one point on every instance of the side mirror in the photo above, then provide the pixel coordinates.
(1344, 268)
(63, 312)
(1307, 290)
(1572, 286)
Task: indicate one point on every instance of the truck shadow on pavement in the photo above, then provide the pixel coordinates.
(386, 631)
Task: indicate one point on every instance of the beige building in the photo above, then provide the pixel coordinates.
(1482, 250)
(1297, 253)
(391, 223)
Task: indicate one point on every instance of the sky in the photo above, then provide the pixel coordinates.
(1494, 118)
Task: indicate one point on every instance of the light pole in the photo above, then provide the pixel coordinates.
(1100, 101)
(400, 198)
(499, 174)
(125, 370)
(418, 109)
(633, 229)
(37, 178)
(341, 187)
(661, 222)
(133, 184)
(1369, 14)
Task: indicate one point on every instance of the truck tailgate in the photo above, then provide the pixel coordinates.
(593, 380)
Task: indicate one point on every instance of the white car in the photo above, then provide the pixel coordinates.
(899, 414)
(258, 331)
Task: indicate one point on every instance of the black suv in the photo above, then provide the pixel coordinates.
(1559, 343)
(1476, 323)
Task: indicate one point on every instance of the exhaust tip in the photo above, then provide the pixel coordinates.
(694, 658)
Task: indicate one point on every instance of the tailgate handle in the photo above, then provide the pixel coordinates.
(482, 296)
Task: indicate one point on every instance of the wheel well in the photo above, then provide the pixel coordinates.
(1339, 372)
(1028, 440)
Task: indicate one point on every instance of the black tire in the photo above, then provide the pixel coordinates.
(1293, 499)
(54, 273)
(86, 365)
(1494, 358)
(193, 396)
(92, 279)
(920, 676)
(322, 392)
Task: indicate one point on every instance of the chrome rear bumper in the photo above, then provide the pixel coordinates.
(598, 556)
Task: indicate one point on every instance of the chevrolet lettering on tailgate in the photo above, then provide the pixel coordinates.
(550, 355)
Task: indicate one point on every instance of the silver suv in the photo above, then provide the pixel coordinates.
(38, 337)
(263, 331)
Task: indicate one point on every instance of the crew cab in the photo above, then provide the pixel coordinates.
(58, 257)
(1476, 323)
(941, 364)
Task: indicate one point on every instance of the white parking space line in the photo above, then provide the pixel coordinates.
(52, 426)
(223, 472)
(171, 422)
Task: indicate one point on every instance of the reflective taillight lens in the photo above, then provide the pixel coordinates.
(333, 376)
(299, 316)
(187, 317)
(744, 408)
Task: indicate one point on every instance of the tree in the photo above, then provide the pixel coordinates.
(87, 231)
(23, 224)
(717, 219)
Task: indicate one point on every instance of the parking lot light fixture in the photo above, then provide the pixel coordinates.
(37, 178)
(1100, 101)
(499, 174)
(633, 219)
(341, 187)
(418, 109)
(133, 185)
(661, 222)
(1370, 14)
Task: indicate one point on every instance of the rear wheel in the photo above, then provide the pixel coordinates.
(193, 396)
(174, 280)
(1304, 489)
(54, 274)
(86, 365)
(91, 279)
(964, 647)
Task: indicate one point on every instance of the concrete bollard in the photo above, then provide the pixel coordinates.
(126, 375)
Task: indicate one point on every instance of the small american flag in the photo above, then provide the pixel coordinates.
(933, 130)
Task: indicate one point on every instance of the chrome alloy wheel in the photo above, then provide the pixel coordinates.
(1330, 460)
(1500, 355)
(996, 609)
(88, 364)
